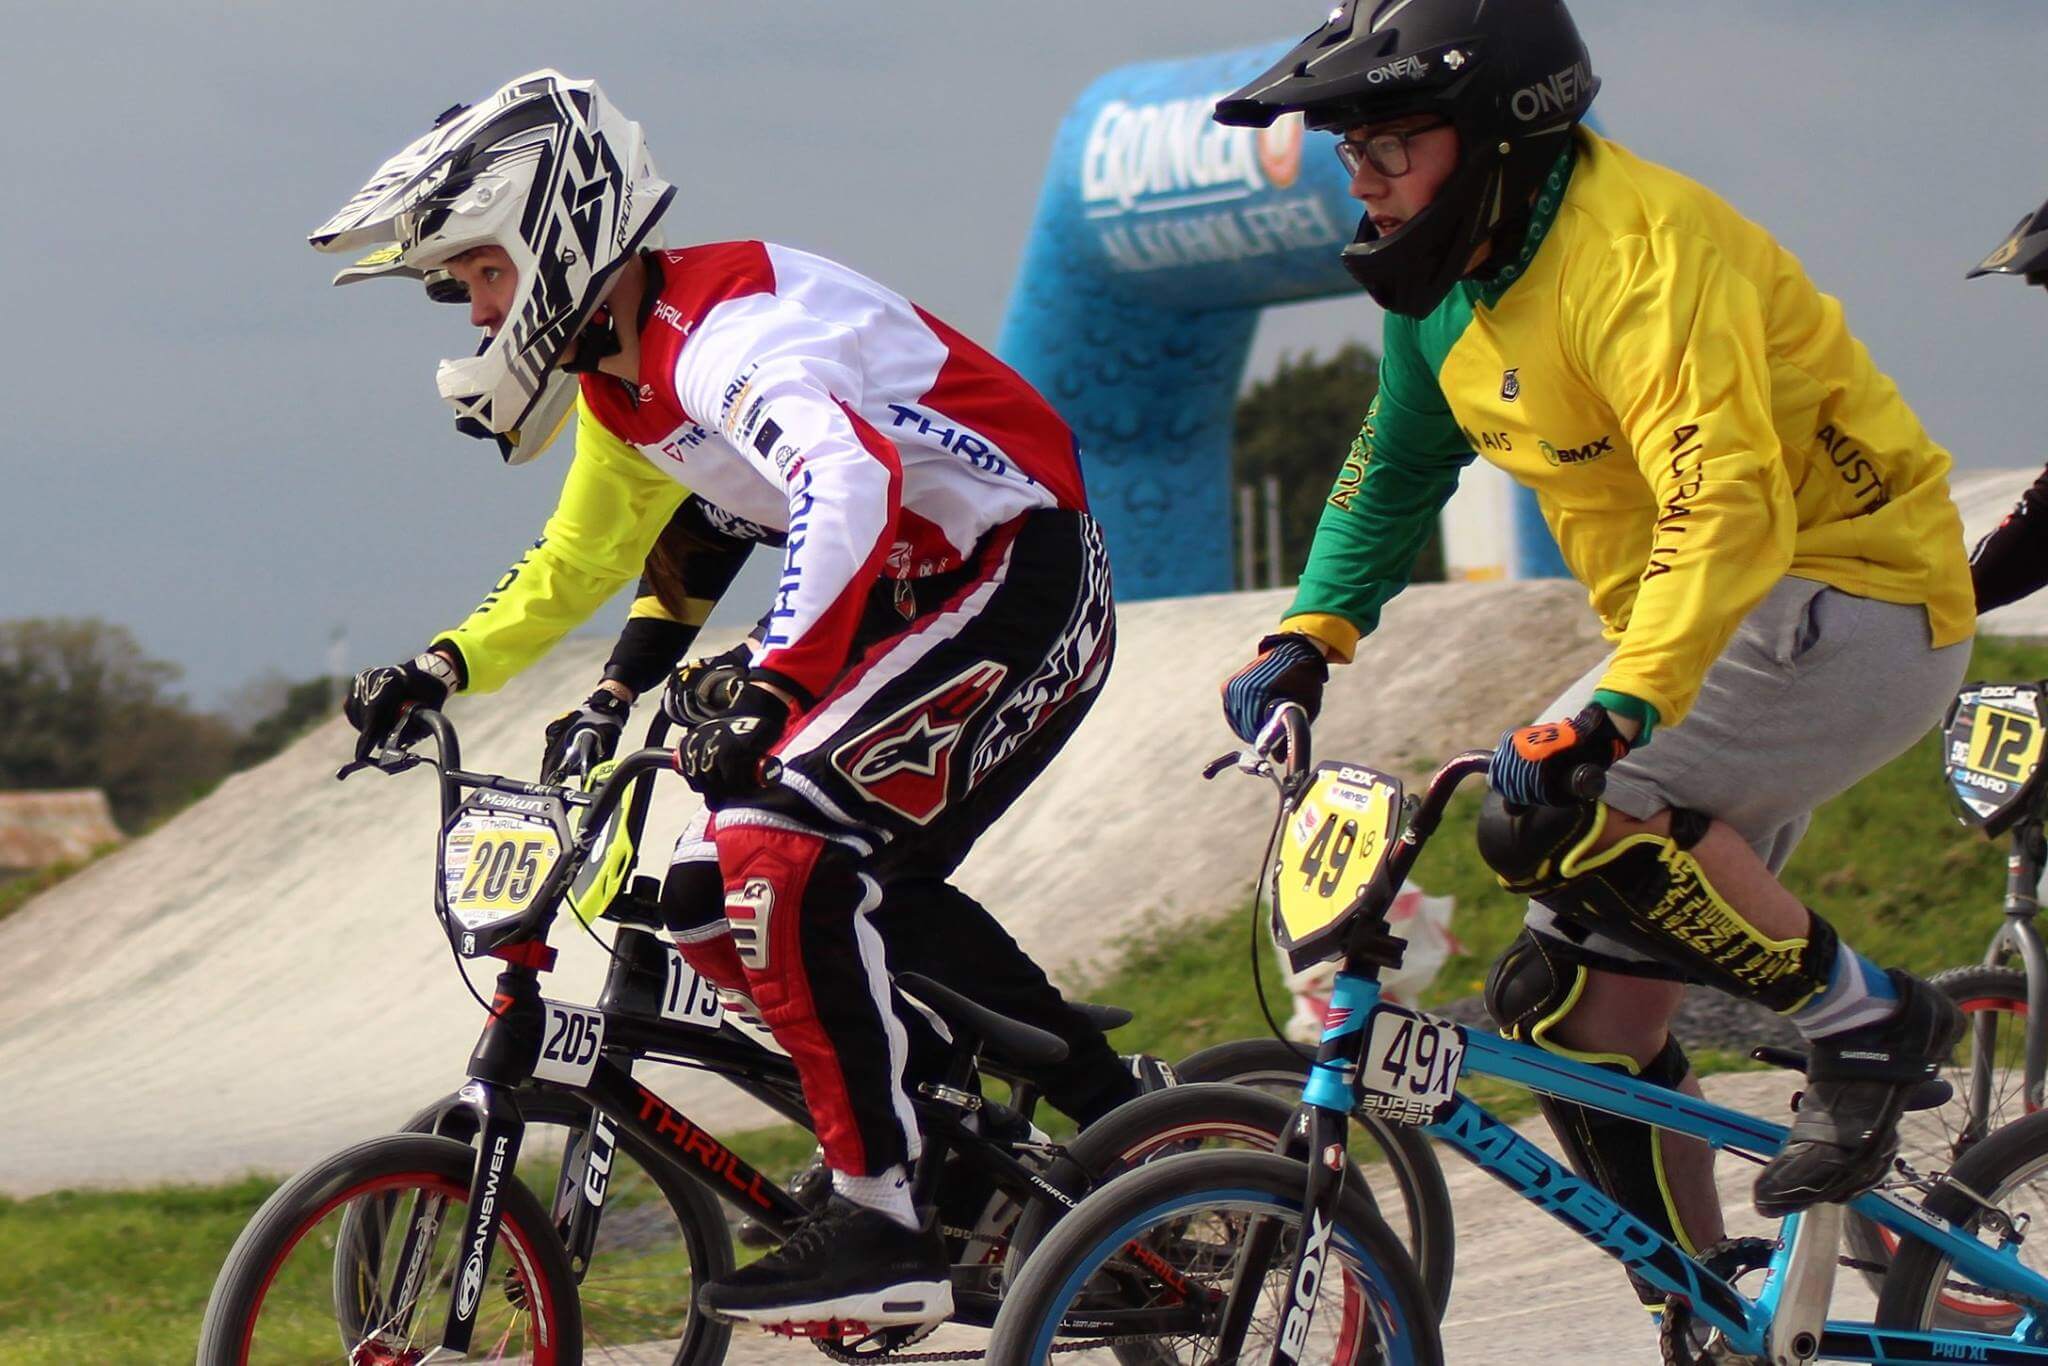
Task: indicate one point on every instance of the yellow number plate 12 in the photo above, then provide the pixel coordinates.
(1335, 839)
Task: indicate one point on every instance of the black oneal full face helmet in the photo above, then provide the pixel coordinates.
(1512, 76)
(2024, 252)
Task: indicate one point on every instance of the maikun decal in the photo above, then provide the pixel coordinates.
(1172, 154)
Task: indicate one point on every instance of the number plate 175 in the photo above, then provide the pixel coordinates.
(1411, 1066)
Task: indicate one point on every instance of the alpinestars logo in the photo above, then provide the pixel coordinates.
(1510, 384)
(748, 909)
(906, 762)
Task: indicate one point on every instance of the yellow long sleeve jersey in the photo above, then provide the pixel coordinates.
(1694, 416)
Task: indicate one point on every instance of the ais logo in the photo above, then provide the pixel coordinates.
(1171, 152)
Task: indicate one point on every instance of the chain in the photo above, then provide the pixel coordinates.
(838, 1353)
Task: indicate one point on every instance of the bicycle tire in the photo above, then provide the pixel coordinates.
(526, 1250)
(1275, 1066)
(612, 1316)
(1917, 1293)
(1381, 1290)
(1995, 999)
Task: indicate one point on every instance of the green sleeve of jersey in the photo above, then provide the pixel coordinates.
(1398, 475)
(613, 505)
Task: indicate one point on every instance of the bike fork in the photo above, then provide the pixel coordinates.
(497, 1154)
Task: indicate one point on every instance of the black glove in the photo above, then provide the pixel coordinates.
(704, 689)
(380, 698)
(1533, 766)
(579, 740)
(722, 757)
(1290, 668)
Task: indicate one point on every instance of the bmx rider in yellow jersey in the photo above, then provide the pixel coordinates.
(1758, 518)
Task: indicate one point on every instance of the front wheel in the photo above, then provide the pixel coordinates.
(394, 1210)
(1406, 1180)
(1153, 1259)
(2009, 1169)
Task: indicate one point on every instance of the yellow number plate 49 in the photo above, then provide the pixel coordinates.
(492, 863)
(1335, 840)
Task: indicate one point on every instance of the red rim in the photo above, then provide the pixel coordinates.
(511, 1238)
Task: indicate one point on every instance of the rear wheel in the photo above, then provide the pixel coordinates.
(1988, 1074)
(1406, 1181)
(394, 1212)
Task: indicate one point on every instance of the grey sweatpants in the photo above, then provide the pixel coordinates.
(1816, 689)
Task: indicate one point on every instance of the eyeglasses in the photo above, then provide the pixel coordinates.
(1386, 153)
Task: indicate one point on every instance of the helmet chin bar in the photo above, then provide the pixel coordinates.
(1411, 272)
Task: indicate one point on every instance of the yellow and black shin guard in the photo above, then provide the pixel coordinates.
(1532, 988)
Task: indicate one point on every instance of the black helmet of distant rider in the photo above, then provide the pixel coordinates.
(550, 171)
(1511, 76)
(2024, 252)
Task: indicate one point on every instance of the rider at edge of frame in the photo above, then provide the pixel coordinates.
(2011, 561)
(942, 624)
(1758, 518)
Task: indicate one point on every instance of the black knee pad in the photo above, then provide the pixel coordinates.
(1523, 844)
(1531, 989)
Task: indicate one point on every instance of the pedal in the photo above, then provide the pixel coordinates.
(1789, 1058)
(818, 1328)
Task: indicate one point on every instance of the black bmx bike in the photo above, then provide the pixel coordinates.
(438, 1244)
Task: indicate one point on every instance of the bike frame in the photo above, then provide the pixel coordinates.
(1799, 1276)
(509, 1049)
(2017, 938)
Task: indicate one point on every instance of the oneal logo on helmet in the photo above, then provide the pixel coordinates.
(1404, 69)
(1172, 153)
(1560, 92)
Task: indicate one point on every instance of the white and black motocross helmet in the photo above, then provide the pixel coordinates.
(2024, 252)
(547, 169)
(1512, 76)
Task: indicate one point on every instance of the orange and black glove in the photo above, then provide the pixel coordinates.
(1534, 766)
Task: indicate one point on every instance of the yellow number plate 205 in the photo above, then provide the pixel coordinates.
(1335, 839)
(493, 862)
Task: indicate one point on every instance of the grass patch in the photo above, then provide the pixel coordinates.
(16, 892)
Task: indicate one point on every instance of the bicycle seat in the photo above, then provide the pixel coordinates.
(1104, 1018)
(1931, 1094)
(1004, 1040)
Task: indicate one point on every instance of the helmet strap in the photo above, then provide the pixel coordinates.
(598, 341)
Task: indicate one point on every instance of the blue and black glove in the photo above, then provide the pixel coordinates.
(726, 757)
(1290, 668)
(379, 699)
(1536, 765)
(579, 740)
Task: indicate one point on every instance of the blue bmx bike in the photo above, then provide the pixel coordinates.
(1275, 1257)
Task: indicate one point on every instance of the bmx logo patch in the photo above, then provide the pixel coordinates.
(748, 908)
(906, 762)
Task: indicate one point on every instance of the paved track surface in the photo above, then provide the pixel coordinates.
(261, 980)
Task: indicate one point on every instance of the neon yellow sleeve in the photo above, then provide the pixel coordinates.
(1674, 340)
(613, 506)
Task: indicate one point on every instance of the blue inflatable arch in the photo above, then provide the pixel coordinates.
(1160, 236)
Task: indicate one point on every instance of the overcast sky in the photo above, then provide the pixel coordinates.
(214, 448)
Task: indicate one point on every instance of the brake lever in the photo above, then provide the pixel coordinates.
(1216, 765)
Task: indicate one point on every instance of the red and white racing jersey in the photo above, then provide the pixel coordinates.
(800, 395)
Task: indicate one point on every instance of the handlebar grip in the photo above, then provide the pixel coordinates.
(1589, 782)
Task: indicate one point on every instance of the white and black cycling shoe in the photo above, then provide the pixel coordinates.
(846, 1271)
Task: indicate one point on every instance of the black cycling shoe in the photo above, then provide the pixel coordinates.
(1846, 1130)
(1151, 1073)
(846, 1270)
